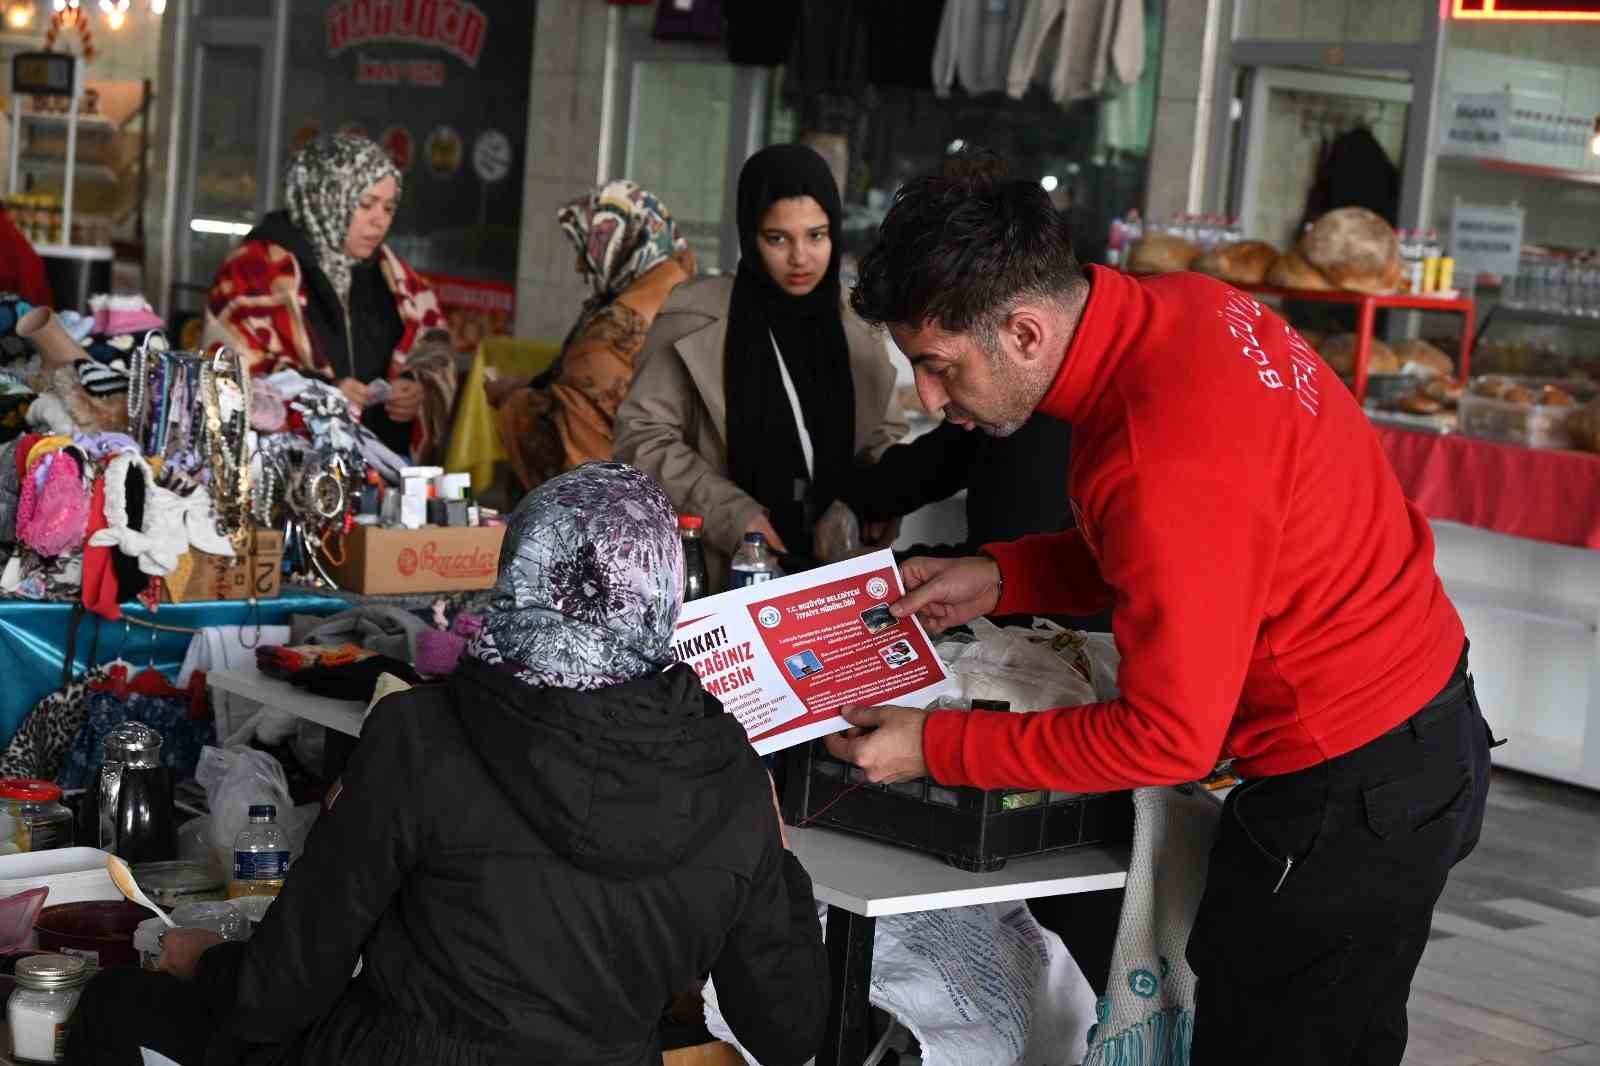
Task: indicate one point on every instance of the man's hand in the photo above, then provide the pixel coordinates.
(404, 400)
(949, 592)
(181, 950)
(354, 391)
(763, 525)
(886, 743)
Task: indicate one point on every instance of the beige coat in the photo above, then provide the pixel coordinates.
(674, 424)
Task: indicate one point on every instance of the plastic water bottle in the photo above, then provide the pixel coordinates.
(752, 563)
(260, 855)
(694, 556)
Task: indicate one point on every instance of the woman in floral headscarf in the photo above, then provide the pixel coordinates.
(314, 288)
(529, 859)
(630, 251)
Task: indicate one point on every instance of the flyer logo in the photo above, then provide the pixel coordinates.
(407, 562)
(877, 588)
(769, 617)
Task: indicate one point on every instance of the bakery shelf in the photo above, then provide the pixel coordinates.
(1367, 307)
(1536, 316)
(1529, 170)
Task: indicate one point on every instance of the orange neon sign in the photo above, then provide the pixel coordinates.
(1526, 10)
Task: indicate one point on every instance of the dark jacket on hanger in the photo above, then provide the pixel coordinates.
(375, 325)
(1355, 171)
(529, 875)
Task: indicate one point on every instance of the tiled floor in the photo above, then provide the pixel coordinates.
(1512, 972)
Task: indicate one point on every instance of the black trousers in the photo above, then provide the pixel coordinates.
(1321, 891)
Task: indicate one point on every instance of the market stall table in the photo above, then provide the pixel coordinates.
(1516, 532)
(36, 638)
(862, 880)
(256, 688)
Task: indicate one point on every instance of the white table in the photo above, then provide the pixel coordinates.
(861, 880)
(250, 684)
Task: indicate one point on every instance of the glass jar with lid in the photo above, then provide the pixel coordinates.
(40, 1009)
(43, 822)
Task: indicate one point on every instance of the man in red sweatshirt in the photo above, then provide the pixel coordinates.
(1273, 595)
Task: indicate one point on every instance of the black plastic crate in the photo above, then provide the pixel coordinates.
(972, 828)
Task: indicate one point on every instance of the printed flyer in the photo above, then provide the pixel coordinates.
(786, 656)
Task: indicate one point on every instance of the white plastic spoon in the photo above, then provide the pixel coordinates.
(130, 888)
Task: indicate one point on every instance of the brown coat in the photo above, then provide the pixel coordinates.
(674, 426)
(549, 431)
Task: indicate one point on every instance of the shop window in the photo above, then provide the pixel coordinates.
(1392, 21)
(678, 142)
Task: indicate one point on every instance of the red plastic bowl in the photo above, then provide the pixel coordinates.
(100, 930)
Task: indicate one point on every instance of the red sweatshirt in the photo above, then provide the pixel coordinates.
(1274, 592)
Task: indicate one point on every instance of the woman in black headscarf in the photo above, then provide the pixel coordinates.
(755, 395)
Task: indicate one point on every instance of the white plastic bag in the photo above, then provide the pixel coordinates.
(982, 984)
(1015, 666)
(236, 779)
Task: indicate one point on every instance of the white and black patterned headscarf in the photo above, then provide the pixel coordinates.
(591, 579)
(325, 183)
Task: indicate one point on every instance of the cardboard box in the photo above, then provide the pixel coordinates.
(255, 573)
(431, 559)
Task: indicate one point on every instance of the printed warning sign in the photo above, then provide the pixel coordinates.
(785, 657)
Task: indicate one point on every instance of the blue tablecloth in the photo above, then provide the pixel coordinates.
(34, 639)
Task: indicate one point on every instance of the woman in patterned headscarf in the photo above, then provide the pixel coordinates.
(630, 251)
(529, 859)
(314, 288)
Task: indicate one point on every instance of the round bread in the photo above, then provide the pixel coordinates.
(1491, 387)
(1551, 396)
(1418, 403)
(1416, 350)
(1291, 271)
(1161, 253)
(1339, 352)
(1355, 248)
(1446, 390)
(1520, 395)
(1583, 426)
(1243, 262)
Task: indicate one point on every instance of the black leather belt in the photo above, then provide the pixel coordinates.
(1442, 704)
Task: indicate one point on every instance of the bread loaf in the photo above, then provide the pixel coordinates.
(1355, 248)
(1416, 350)
(1291, 271)
(1339, 352)
(1243, 262)
(1583, 426)
(1161, 253)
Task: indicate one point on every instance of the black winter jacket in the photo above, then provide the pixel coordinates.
(528, 876)
(1015, 485)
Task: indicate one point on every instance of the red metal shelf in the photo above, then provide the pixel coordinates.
(1367, 307)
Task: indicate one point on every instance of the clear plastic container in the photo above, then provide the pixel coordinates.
(1531, 425)
(260, 855)
(43, 822)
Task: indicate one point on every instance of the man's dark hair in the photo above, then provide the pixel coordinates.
(961, 250)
